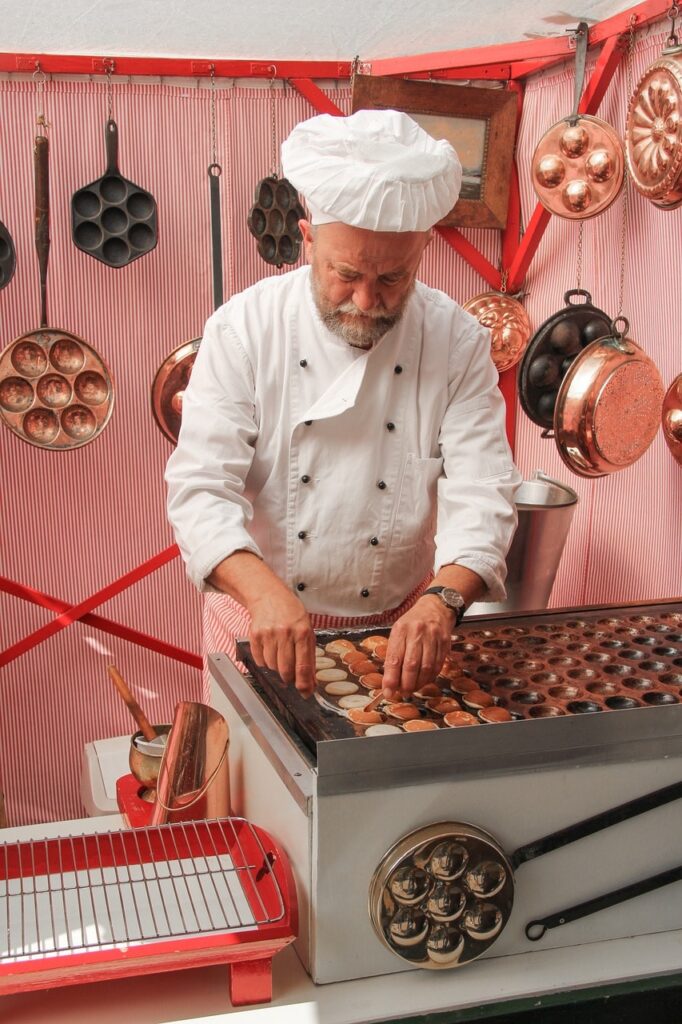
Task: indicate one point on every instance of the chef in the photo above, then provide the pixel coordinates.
(342, 459)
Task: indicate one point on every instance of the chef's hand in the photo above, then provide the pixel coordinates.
(281, 635)
(282, 638)
(417, 646)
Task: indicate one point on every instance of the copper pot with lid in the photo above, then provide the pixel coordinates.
(578, 164)
(608, 408)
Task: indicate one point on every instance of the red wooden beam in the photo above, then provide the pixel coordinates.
(470, 253)
(315, 96)
(75, 612)
(170, 67)
(134, 636)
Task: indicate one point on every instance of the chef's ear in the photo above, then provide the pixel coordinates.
(308, 233)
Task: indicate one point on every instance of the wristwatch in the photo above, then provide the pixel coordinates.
(452, 599)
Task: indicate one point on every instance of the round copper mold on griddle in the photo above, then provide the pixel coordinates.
(55, 390)
(653, 136)
(577, 167)
(441, 895)
(273, 221)
(508, 323)
(671, 418)
(168, 388)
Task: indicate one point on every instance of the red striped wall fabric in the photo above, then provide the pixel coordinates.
(74, 521)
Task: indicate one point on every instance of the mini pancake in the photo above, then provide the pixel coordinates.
(455, 719)
(354, 700)
(341, 688)
(331, 675)
(324, 663)
(370, 642)
(361, 668)
(360, 717)
(420, 725)
(443, 706)
(381, 730)
(477, 699)
(355, 655)
(319, 651)
(494, 715)
(463, 685)
(428, 692)
(339, 647)
(379, 651)
(372, 680)
(404, 712)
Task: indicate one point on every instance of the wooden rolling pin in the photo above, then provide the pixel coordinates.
(147, 730)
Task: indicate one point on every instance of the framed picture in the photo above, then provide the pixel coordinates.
(481, 125)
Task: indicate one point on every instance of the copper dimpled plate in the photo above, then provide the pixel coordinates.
(55, 390)
(671, 418)
(577, 168)
(508, 323)
(273, 221)
(441, 895)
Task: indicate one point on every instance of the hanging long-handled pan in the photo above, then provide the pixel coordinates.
(608, 408)
(442, 894)
(8, 258)
(578, 165)
(173, 375)
(55, 390)
(114, 219)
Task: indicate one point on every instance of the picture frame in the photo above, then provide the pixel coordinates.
(479, 122)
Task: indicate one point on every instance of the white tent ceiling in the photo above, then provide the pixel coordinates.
(284, 29)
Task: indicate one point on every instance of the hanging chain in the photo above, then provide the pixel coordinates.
(214, 145)
(579, 257)
(40, 78)
(354, 65)
(109, 70)
(273, 122)
(673, 13)
(626, 176)
(504, 274)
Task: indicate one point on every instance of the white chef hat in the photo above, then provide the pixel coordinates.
(376, 169)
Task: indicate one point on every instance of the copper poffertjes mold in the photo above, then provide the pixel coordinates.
(577, 168)
(273, 220)
(55, 390)
(508, 323)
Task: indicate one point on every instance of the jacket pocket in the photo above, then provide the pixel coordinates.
(415, 515)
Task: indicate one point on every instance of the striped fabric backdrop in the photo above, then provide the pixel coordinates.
(74, 521)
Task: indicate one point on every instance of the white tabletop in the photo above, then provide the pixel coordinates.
(201, 994)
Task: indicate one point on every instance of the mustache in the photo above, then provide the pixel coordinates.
(378, 313)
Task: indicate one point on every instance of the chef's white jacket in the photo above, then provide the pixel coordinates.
(335, 465)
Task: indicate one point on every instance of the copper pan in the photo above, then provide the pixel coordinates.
(508, 323)
(672, 418)
(608, 409)
(578, 165)
(653, 145)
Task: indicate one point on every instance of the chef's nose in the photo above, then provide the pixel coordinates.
(365, 295)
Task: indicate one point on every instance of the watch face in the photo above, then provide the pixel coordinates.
(452, 597)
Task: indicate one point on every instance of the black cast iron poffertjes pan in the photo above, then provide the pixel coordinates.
(442, 894)
(113, 219)
(8, 258)
(172, 377)
(608, 409)
(55, 390)
(552, 349)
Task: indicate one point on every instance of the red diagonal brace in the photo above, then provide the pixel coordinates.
(133, 636)
(470, 253)
(314, 95)
(77, 611)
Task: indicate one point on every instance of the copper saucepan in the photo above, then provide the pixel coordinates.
(443, 893)
(578, 164)
(672, 418)
(608, 409)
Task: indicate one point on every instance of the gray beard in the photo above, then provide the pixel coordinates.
(358, 335)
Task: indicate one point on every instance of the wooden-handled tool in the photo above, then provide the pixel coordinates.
(147, 730)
